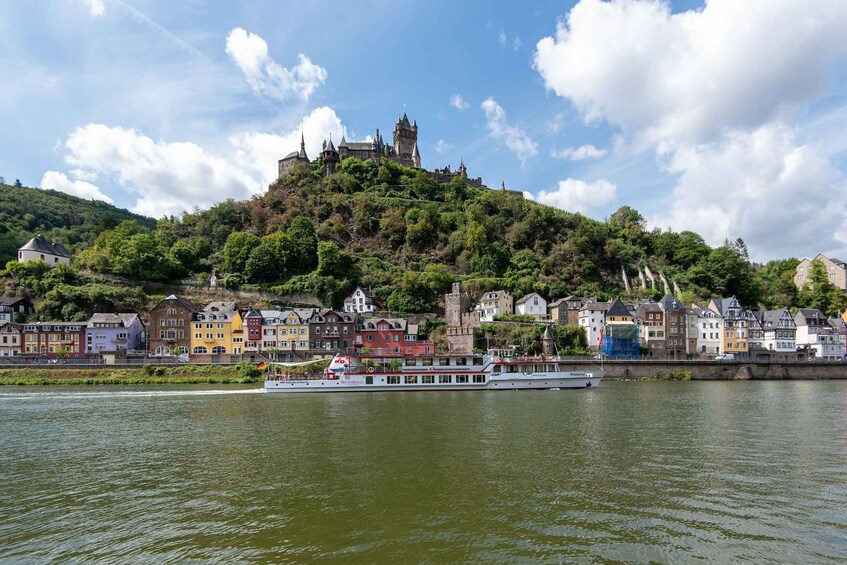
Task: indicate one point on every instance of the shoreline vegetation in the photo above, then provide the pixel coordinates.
(146, 375)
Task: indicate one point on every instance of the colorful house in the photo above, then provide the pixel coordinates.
(331, 332)
(113, 332)
(170, 326)
(734, 338)
(218, 329)
(10, 340)
(54, 338)
(620, 333)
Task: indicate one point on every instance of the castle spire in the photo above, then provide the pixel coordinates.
(416, 157)
(302, 154)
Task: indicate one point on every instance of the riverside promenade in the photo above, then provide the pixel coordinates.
(721, 370)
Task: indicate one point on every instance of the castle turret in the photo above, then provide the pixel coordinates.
(463, 170)
(302, 154)
(548, 345)
(416, 157)
(330, 156)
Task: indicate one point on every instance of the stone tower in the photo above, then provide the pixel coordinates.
(330, 156)
(416, 157)
(405, 139)
(547, 343)
(456, 303)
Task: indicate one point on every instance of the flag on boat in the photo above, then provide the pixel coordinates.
(600, 341)
(261, 365)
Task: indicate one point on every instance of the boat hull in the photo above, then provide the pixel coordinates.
(358, 384)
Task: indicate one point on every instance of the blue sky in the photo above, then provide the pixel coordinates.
(726, 118)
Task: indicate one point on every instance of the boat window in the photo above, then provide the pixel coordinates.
(445, 379)
(444, 361)
(461, 361)
(428, 379)
(496, 368)
(411, 379)
(411, 362)
(477, 361)
(426, 361)
(369, 380)
(461, 378)
(393, 379)
(479, 378)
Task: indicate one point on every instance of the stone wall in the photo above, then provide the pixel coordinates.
(720, 370)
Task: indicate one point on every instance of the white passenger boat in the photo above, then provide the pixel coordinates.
(492, 371)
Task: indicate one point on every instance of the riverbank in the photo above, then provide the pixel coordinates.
(182, 374)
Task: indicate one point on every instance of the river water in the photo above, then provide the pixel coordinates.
(660, 472)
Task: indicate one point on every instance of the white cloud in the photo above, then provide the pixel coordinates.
(528, 195)
(442, 146)
(689, 76)
(714, 92)
(516, 43)
(258, 153)
(577, 195)
(458, 102)
(169, 177)
(58, 181)
(250, 52)
(578, 154)
(515, 139)
(781, 197)
(502, 38)
(95, 7)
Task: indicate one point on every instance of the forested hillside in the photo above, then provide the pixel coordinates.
(407, 237)
(74, 222)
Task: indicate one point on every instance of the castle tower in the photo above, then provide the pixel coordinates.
(405, 138)
(547, 343)
(463, 170)
(416, 157)
(330, 156)
(456, 303)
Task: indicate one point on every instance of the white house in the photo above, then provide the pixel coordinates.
(592, 317)
(533, 304)
(40, 249)
(360, 301)
(709, 327)
(814, 332)
(493, 304)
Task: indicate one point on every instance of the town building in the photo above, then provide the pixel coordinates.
(10, 340)
(734, 325)
(816, 334)
(54, 338)
(40, 249)
(331, 332)
(675, 324)
(592, 317)
(565, 311)
(836, 271)
(360, 302)
(493, 304)
(709, 330)
(620, 332)
(390, 336)
(218, 329)
(169, 329)
(773, 330)
(281, 334)
(113, 332)
(651, 328)
(14, 309)
(533, 304)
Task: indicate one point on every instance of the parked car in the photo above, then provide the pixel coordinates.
(725, 357)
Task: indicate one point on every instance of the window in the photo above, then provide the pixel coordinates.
(445, 379)
(426, 361)
(479, 378)
(428, 379)
(218, 349)
(200, 349)
(411, 379)
(461, 361)
(393, 379)
(461, 379)
(444, 361)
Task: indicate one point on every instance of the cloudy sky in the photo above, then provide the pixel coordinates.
(728, 118)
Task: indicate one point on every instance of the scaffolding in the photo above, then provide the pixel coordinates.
(620, 340)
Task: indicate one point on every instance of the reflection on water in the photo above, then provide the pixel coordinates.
(643, 472)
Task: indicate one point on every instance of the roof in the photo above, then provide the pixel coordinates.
(618, 308)
(13, 300)
(668, 302)
(805, 314)
(415, 152)
(527, 297)
(291, 155)
(184, 301)
(770, 318)
(330, 146)
(124, 319)
(723, 304)
(556, 303)
(592, 304)
(41, 245)
(360, 145)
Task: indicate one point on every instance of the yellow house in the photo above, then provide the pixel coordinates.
(286, 332)
(218, 329)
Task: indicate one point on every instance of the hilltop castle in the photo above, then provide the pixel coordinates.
(404, 150)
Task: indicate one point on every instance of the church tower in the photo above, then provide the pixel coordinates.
(405, 139)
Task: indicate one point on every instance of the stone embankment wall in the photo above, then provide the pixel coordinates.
(723, 370)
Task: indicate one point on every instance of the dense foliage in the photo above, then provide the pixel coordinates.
(75, 222)
(407, 237)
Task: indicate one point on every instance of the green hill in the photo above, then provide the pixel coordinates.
(407, 237)
(75, 222)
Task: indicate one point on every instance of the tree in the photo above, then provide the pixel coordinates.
(237, 250)
(18, 183)
(304, 244)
